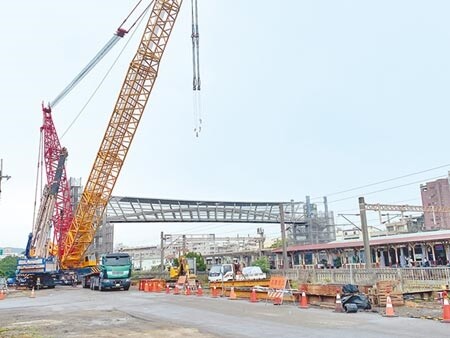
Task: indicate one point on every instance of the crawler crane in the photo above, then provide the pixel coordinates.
(119, 134)
(39, 267)
(74, 233)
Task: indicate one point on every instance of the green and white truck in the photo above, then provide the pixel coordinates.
(114, 272)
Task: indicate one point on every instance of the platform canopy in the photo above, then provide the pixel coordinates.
(154, 210)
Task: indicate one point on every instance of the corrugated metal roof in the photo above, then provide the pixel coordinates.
(394, 239)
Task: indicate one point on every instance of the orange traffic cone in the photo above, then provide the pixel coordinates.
(176, 291)
(253, 298)
(338, 307)
(445, 309)
(214, 293)
(303, 301)
(389, 307)
(167, 289)
(199, 290)
(32, 295)
(188, 291)
(2, 295)
(232, 294)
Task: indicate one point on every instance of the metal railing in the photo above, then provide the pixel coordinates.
(411, 279)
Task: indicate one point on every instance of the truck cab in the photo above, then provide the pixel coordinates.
(115, 273)
(219, 273)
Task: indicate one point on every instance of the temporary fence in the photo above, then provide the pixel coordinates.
(411, 279)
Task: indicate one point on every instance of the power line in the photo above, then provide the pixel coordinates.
(384, 181)
(385, 189)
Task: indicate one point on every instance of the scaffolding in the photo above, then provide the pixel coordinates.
(318, 226)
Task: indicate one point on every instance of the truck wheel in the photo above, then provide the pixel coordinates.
(126, 288)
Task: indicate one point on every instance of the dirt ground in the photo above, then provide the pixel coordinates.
(422, 309)
(106, 324)
(35, 323)
(109, 323)
(419, 309)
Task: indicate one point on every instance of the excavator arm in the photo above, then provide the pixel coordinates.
(120, 131)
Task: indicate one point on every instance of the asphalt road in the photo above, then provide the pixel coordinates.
(77, 312)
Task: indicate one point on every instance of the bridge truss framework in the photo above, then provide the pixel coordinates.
(154, 210)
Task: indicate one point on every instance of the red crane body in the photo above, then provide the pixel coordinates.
(63, 212)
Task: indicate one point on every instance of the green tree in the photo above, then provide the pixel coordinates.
(8, 266)
(277, 244)
(263, 263)
(199, 260)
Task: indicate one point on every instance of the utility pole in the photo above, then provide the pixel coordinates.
(260, 232)
(283, 239)
(184, 245)
(162, 251)
(309, 216)
(365, 232)
(2, 176)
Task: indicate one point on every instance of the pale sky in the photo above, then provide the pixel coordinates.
(298, 98)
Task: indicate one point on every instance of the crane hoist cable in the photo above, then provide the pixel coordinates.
(120, 33)
(140, 19)
(195, 46)
(38, 178)
(196, 82)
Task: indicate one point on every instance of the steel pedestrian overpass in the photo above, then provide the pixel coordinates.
(155, 210)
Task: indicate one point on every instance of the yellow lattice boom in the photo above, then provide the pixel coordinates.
(121, 129)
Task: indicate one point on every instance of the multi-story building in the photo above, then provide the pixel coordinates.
(436, 194)
(210, 244)
(214, 249)
(143, 257)
(7, 251)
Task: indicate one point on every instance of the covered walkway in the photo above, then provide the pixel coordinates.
(404, 250)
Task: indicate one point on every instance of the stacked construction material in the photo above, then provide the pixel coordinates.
(391, 288)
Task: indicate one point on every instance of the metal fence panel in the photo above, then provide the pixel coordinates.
(411, 279)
